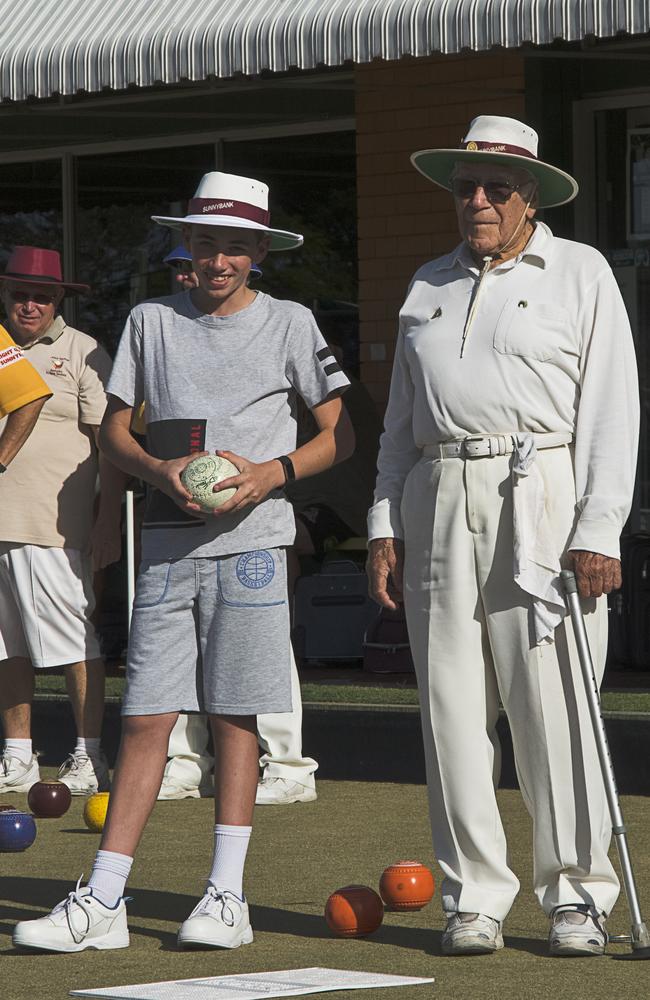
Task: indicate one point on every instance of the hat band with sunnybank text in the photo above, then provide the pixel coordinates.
(208, 206)
(475, 145)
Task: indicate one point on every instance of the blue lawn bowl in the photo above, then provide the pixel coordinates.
(17, 831)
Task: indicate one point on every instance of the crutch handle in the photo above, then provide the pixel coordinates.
(569, 582)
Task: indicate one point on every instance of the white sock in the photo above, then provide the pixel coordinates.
(20, 749)
(108, 877)
(230, 847)
(88, 746)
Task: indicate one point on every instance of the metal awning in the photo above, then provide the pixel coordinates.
(63, 46)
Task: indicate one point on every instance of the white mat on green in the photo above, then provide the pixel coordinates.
(287, 983)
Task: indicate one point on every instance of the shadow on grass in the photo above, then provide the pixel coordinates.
(151, 904)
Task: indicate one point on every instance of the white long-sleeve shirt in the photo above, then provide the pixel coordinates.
(549, 350)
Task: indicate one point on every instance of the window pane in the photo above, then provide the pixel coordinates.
(312, 181)
(30, 206)
(623, 193)
(119, 249)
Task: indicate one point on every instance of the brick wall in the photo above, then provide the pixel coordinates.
(404, 220)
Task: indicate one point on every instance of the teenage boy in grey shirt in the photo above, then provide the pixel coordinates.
(220, 368)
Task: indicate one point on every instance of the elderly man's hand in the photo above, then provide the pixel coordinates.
(105, 541)
(384, 568)
(595, 574)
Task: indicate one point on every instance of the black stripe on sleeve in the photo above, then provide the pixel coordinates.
(330, 369)
(323, 353)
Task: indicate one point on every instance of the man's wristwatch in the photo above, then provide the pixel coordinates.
(287, 465)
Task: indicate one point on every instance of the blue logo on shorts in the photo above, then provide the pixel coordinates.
(255, 569)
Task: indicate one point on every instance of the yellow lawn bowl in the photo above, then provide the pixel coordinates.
(95, 811)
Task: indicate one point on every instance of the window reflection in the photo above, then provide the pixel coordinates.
(30, 206)
(119, 249)
(312, 179)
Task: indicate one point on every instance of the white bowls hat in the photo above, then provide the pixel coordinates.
(494, 139)
(229, 200)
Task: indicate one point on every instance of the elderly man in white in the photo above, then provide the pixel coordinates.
(509, 452)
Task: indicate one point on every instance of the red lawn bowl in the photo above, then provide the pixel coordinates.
(406, 885)
(49, 799)
(354, 911)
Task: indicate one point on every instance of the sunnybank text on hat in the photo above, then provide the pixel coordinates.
(228, 200)
(493, 139)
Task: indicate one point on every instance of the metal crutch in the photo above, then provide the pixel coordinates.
(640, 938)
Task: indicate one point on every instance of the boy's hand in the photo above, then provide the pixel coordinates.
(253, 484)
(168, 481)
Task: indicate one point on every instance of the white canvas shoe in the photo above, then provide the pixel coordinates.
(577, 930)
(170, 788)
(78, 922)
(177, 784)
(84, 775)
(282, 792)
(15, 776)
(219, 920)
(471, 934)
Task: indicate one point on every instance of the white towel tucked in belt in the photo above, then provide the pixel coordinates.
(536, 561)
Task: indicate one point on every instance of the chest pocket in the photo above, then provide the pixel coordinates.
(534, 330)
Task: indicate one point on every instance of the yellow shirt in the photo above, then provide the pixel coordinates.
(20, 383)
(48, 498)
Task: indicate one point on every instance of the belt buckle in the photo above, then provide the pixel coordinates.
(476, 446)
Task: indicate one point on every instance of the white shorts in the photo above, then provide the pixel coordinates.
(46, 598)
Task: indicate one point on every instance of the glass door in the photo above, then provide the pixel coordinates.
(613, 214)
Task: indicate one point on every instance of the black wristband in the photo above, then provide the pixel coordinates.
(3, 468)
(287, 465)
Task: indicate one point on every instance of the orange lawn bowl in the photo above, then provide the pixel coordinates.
(354, 911)
(406, 885)
(95, 811)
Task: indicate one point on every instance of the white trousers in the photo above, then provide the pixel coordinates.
(473, 645)
(279, 734)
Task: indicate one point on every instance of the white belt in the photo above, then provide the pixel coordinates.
(491, 445)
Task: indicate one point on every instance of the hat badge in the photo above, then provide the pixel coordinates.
(471, 145)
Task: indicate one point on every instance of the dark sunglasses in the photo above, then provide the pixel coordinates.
(497, 192)
(40, 299)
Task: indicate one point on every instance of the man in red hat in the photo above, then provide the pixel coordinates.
(509, 452)
(50, 537)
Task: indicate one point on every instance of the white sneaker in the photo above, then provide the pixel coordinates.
(282, 792)
(85, 776)
(577, 929)
(16, 776)
(80, 921)
(471, 934)
(219, 920)
(174, 787)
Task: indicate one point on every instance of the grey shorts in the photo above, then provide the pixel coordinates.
(210, 635)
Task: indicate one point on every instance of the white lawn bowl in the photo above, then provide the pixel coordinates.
(201, 474)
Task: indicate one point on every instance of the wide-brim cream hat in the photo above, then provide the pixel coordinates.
(493, 139)
(229, 200)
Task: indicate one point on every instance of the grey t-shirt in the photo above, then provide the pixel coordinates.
(221, 382)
